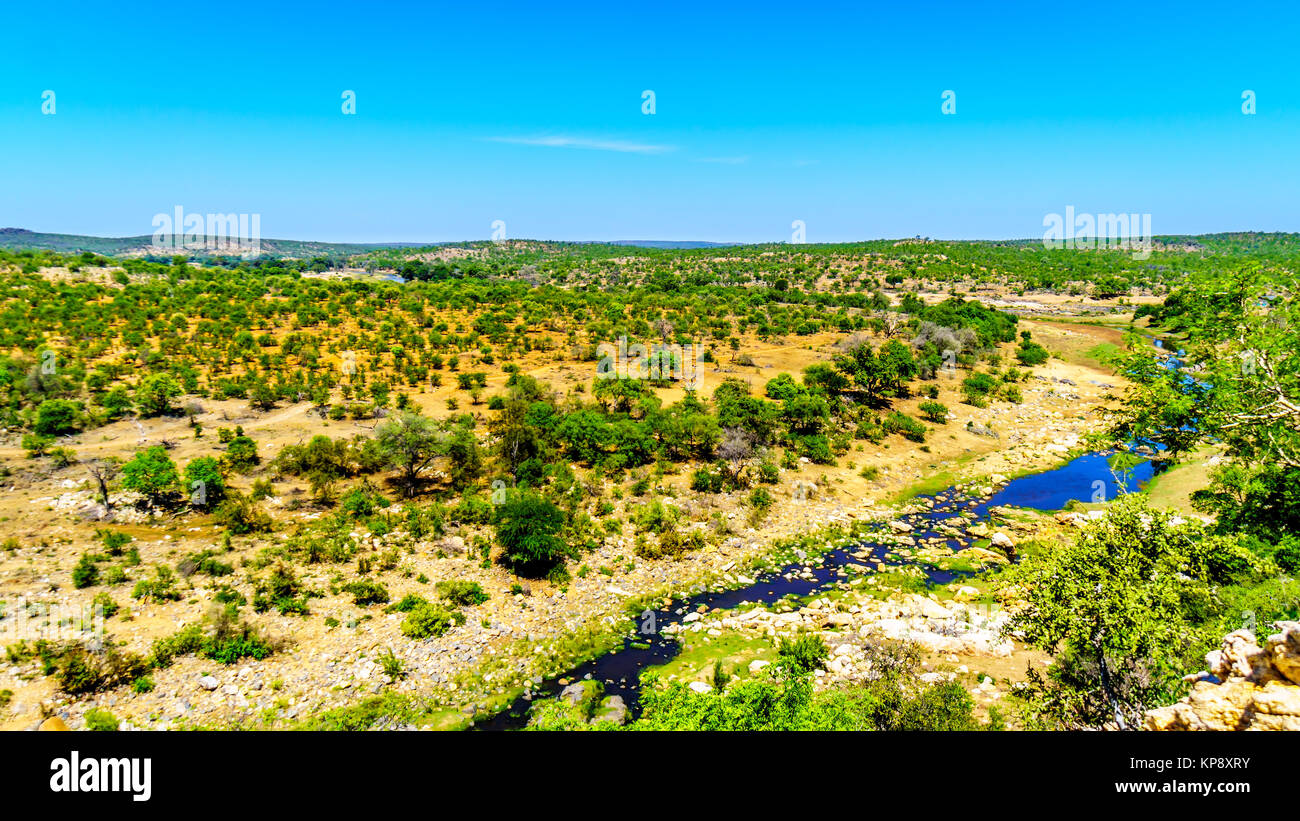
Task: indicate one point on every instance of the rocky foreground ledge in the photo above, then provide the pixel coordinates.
(1248, 687)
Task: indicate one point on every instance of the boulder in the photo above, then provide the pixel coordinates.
(454, 545)
(1247, 687)
(612, 709)
(574, 694)
(930, 609)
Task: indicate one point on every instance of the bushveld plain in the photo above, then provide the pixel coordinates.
(412, 487)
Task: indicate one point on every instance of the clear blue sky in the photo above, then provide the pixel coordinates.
(828, 113)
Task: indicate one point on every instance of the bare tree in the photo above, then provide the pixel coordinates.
(104, 471)
(735, 451)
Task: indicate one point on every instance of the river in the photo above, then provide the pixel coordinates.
(620, 669)
(1085, 478)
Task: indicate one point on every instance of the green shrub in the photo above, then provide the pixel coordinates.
(429, 621)
(203, 562)
(85, 573)
(1031, 353)
(528, 528)
(238, 514)
(225, 640)
(366, 592)
(106, 604)
(803, 654)
(901, 423)
(704, 480)
(114, 540)
(162, 587)
(79, 671)
(408, 603)
(461, 593)
(934, 411)
(100, 720)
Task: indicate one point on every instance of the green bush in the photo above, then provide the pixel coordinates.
(100, 720)
(1031, 353)
(241, 516)
(152, 473)
(114, 540)
(461, 593)
(56, 417)
(79, 671)
(528, 527)
(429, 621)
(162, 587)
(366, 592)
(803, 654)
(704, 480)
(225, 640)
(85, 573)
(408, 603)
(905, 425)
(934, 411)
(106, 604)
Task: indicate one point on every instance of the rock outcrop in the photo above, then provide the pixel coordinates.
(1248, 687)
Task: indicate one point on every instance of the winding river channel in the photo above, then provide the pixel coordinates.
(1083, 478)
(620, 669)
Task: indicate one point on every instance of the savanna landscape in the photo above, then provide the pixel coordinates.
(888, 485)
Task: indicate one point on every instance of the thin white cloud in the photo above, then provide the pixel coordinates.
(724, 160)
(583, 142)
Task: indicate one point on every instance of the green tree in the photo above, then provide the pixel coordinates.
(1238, 387)
(1117, 610)
(155, 393)
(204, 482)
(934, 411)
(527, 527)
(464, 456)
(879, 374)
(57, 416)
(411, 443)
(151, 472)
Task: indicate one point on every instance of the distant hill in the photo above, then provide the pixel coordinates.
(20, 239)
(664, 243)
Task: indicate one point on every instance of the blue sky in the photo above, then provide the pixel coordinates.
(766, 113)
